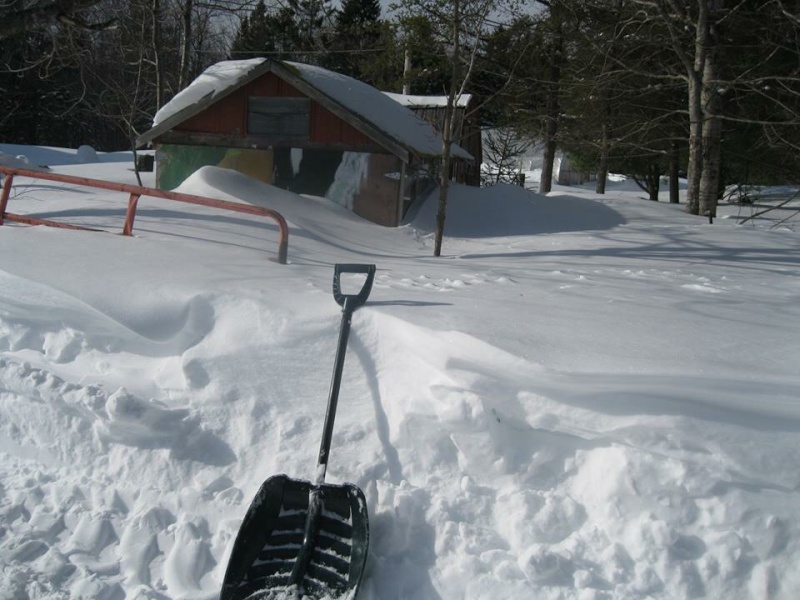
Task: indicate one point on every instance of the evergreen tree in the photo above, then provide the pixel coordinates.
(426, 50)
(314, 22)
(357, 39)
(267, 32)
(299, 31)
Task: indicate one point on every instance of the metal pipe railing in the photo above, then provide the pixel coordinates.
(135, 192)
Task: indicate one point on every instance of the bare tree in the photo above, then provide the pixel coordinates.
(459, 25)
(555, 59)
(198, 21)
(16, 17)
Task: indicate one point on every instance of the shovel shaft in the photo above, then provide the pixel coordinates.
(333, 396)
(349, 303)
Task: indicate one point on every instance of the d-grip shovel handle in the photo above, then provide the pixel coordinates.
(348, 302)
(355, 300)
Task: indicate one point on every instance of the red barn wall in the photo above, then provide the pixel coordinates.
(229, 115)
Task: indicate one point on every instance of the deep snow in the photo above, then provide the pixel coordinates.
(585, 397)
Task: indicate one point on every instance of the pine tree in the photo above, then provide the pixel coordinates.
(267, 32)
(314, 23)
(357, 39)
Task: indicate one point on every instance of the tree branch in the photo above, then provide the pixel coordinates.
(47, 12)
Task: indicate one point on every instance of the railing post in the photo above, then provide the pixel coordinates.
(130, 215)
(5, 195)
(283, 250)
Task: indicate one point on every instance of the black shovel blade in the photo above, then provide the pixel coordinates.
(271, 539)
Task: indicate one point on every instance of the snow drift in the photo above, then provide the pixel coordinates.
(586, 397)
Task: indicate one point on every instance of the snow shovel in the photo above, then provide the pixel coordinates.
(298, 538)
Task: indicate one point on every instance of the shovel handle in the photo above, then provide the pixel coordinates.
(349, 303)
(353, 300)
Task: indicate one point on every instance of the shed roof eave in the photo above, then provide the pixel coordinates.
(200, 105)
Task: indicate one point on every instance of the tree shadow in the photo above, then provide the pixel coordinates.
(504, 210)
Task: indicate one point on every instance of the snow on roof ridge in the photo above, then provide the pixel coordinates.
(215, 79)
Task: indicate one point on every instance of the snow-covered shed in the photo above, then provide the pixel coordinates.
(466, 128)
(301, 128)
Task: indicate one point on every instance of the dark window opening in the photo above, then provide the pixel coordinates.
(286, 118)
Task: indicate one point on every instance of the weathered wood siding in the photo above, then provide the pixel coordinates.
(378, 196)
(229, 116)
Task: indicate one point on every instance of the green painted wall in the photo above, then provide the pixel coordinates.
(366, 183)
(175, 163)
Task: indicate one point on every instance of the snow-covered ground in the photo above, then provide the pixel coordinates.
(584, 397)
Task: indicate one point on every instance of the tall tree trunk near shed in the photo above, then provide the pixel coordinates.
(444, 184)
(155, 39)
(186, 38)
(447, 132)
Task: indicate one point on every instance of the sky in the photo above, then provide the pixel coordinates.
(584, 397)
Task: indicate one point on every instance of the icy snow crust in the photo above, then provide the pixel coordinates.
(601, 402)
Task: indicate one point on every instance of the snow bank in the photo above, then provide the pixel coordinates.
(584, 397)
(18, 162)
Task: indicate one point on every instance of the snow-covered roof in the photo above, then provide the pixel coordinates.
(412, 101)
(375, 114)
(210, 83)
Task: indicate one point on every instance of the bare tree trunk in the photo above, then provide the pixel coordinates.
(653, 182)
(155, 39)
(553, 107)
(407, 71)
(712, 167)
(444, 179)
(186, 38)
(551, 118)
(712, 127)
(602, 170)
(674, 169)
(447, 133)
(695, 166)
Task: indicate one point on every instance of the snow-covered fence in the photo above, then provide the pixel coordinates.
(135, 192)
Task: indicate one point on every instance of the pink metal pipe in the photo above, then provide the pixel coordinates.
(135, 190)
(5, 194)
(130, 215)
(36, 221)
